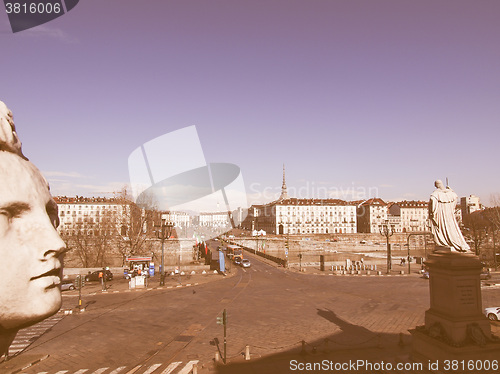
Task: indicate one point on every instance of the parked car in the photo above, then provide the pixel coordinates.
(67, 285)
(245, 263)
(493, 314)
(94, 276)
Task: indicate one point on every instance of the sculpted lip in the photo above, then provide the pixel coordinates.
(54, 272)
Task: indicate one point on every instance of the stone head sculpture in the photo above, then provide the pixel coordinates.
(30, 247)
(439, 184)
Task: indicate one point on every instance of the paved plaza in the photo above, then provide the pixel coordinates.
(280, 315)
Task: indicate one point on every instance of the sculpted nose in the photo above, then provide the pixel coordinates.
(53, 244)
(47, 240)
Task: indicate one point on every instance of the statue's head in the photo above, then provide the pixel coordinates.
(8, 136)
(439, 184)
(30, 247)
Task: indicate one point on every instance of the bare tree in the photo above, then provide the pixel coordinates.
(476, 226)
(79, 243)
(92, 238)
(137, 223)
(493, 213)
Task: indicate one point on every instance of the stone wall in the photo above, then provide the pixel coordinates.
(338, 248)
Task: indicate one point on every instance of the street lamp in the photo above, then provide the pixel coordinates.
(493, 229)
(413, 226)
(387, 230)
(494, 247)
(164, 232)
(408, 246)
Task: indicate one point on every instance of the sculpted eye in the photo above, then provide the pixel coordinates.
(51, 209)
(14, 210)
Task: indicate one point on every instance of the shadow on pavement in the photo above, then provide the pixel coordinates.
(355, 349)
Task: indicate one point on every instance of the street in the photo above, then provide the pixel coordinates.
(270, 309)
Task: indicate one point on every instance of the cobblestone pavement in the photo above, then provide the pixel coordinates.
(276, 312)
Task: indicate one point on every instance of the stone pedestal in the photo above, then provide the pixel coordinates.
(455, 326)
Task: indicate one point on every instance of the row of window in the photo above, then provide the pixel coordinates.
(322, 231)
(69, 213)
(91, 207)
(326, 207)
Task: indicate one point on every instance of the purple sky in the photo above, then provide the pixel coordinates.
(380, 96)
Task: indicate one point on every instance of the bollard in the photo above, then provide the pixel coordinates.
(379, 272)
(195, 368)
(303, 351)
(247, 352)
(402, 272)
(375, 267)
(217, 357)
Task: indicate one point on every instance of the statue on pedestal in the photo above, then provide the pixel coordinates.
(444, 225)
(30, 248)
(455, 326)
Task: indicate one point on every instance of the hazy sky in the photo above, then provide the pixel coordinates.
(379, 96)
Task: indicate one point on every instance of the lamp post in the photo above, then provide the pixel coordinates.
(387, 230)
(408, 246)
(287, 246)
(494, 248)
(493, 228)
(224, 244)
(164, 231)
(413, 226)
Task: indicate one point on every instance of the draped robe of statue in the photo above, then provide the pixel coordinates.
(444, 225)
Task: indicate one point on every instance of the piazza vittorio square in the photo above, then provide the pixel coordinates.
(249, 187)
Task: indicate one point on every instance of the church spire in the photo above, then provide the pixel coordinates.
(284, 193)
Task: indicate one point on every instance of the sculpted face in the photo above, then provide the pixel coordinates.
(439, 184)
(30, 248)
(8, 136)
